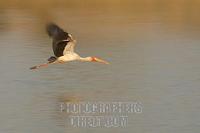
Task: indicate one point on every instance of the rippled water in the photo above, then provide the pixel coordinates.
(153, 47)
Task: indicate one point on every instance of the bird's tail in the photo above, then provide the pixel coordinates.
(52, 59)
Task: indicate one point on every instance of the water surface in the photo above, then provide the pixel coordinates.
(153, 47)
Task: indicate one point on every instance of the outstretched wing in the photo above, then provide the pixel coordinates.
(69, 47)
(60, 38)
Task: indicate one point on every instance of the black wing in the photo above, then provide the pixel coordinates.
(59, 37)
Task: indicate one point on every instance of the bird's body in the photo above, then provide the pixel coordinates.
(63, 48)
(69, 56)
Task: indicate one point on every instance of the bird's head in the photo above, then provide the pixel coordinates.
(95, 59)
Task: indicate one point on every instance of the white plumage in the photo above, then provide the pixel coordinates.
(63, 48)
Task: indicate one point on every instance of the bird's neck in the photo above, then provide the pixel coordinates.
(86, 59)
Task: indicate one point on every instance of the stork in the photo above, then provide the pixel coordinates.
(63, 48)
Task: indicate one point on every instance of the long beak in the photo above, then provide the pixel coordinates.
(101, 61)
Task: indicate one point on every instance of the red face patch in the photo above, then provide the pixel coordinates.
(93, 59)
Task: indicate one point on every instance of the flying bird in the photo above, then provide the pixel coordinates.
(63, 48)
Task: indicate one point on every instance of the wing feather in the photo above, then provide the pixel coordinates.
(60, 38)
